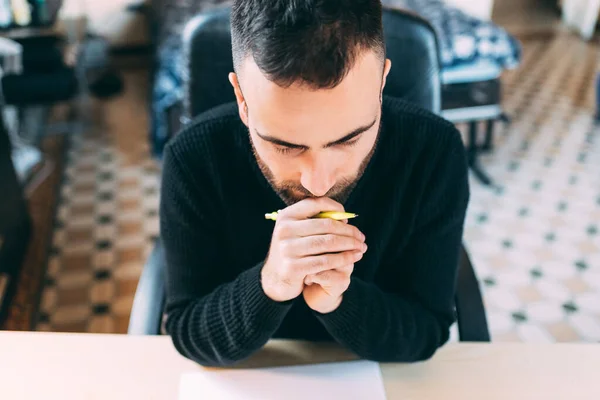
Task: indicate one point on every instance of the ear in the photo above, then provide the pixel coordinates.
(386, 70)
(239, 96)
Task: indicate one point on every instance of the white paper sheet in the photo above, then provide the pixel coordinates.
(345, 380)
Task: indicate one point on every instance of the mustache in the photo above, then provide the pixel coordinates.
(297, 187)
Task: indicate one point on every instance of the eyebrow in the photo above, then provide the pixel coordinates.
(345, 138)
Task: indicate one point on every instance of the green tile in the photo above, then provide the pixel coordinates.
(581, 265)
(519, 316)
(570, 307)
(489, 281)
(536, 273)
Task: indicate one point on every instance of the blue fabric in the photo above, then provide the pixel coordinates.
(464, 39)
(167, 90)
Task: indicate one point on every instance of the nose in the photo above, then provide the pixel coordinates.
(318, 176)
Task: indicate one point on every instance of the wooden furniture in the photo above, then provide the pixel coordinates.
(88, 366)
(472, 94)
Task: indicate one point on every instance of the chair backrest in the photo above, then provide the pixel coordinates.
(12, 204)
(411, 45)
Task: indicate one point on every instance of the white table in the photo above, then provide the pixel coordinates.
(89, 366)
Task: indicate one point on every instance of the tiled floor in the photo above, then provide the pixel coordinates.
(107, 219)
(535, 242)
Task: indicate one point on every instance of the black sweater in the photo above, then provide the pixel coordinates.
(411, 203)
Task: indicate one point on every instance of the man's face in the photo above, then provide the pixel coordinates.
(313, 143)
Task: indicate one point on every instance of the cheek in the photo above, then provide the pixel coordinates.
(282, 168)
(354, 157)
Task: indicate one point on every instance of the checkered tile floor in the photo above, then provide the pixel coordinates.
(107, 219)
(535, 240)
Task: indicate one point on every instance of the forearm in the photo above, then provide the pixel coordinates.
(384, 327)
(229, 324)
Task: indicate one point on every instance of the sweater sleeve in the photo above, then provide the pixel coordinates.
(410, 322)
(213, 318)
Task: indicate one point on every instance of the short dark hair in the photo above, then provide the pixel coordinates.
(313, 42)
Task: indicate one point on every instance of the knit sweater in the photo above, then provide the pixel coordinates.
(411, 201)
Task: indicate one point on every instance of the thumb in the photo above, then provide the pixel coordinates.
(310, 207)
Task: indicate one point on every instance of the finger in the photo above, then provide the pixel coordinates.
(320, 226)
(347, 270)
(323, 244)
(308, 208)
(331, 279)
(315, 264)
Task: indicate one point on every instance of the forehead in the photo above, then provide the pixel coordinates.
(301, 112)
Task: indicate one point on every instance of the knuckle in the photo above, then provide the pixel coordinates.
(348, 257)
(346, 284)
(286, 267)
(324, 241)
(330, 240)
(283, 229)
(328, 224)
(285, 248)
(282, 214)
(318, 262)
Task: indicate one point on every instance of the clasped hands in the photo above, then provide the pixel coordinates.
(314, 257)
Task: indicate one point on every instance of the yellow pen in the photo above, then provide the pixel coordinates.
(337, 215)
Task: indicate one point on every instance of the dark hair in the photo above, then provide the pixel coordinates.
(315, 42)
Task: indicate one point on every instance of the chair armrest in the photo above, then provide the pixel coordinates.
(147, 310)
(472, 321)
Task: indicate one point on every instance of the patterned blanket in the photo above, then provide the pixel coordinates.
(464, 39)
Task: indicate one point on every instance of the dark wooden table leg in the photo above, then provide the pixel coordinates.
(472, 156)
(488, 144)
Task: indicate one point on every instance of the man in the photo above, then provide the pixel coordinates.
(312, 132)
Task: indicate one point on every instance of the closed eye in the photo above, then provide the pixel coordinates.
(350, 143)
(286, 150)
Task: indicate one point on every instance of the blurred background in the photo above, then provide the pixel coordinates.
(92, 90)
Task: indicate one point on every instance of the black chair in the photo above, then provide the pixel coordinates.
(15, 222)
(415, 76)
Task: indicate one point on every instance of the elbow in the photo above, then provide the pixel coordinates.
(198, 349)
(212, 362)
(404, 350)
(401, 355)
(200, 353)
(425, 355)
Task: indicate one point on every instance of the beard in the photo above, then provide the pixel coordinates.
(292, 192)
